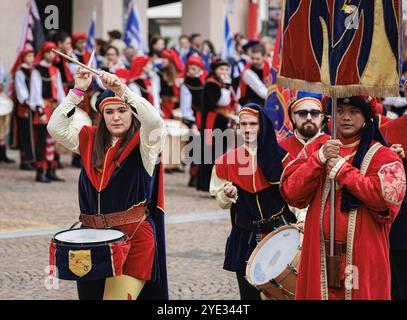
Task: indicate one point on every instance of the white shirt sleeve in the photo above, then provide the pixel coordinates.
(36, 99)
(216, 189)
(186, 103)
(156, 84)
(20, 86)
(66, 130)
(253, 81)
(135, 88)
(152, 131)
(300, 214)
(225, 98)
(60, 88)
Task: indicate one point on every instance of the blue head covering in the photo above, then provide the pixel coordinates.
(106, 94)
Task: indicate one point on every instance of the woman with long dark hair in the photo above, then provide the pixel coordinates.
(120, 181)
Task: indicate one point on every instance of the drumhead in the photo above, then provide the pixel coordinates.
(89, 236)
(273, 255)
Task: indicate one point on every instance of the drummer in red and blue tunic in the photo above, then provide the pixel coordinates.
(121, 177)
(246, 181)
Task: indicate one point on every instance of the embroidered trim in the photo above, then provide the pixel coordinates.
(321, 156)
(353, 215)
(348, 157)
(338, 166)
(323, 274)
(392, 186)
(351, 145)
(351, 230)
(285, 157)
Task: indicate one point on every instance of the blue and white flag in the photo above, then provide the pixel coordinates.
(90, 43)
(228, 49)
(134, 34)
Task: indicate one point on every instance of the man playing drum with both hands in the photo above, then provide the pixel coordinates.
(246, 180)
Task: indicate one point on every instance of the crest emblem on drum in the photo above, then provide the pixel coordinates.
(80, 262)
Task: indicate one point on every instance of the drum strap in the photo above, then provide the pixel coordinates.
(261, 226)
(138, 225)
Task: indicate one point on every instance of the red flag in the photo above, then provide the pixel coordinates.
(341, 49)
(253, 18)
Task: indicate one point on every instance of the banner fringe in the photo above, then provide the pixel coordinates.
(340, 91)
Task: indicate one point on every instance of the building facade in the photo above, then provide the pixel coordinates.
(198, 16)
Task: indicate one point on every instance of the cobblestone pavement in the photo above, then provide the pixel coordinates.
(196, 236)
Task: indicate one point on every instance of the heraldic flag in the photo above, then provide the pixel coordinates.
(342, 48)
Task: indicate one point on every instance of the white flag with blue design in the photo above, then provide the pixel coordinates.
(228, 50)
(134, 34)
(90, 43)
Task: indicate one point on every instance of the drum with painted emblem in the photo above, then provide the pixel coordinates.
(88, 254)
(273, 265)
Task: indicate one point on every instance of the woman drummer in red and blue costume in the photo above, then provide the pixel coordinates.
(121, 173)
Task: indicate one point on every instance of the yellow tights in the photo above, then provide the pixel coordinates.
(123, 288)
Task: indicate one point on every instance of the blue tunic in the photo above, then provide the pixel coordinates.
(129, 185)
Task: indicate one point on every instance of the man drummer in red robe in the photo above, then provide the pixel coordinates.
(370, 186)
(245, 180)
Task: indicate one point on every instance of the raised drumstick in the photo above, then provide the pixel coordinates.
(84, 66)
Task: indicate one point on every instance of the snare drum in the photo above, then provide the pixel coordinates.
(273, 265)
(88, 254)
(177, 139)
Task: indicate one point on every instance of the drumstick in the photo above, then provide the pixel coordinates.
(84, 66)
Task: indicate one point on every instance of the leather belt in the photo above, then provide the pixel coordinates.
(116, 219)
